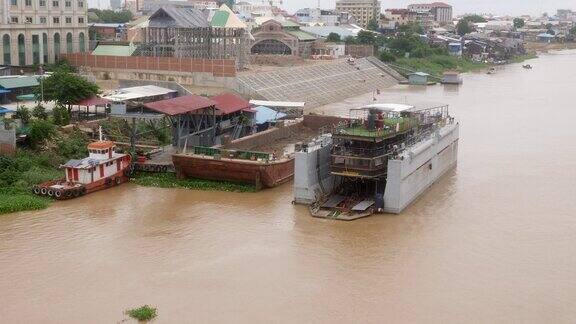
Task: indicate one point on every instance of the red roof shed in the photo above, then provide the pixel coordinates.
(229, 103)
(180, 105)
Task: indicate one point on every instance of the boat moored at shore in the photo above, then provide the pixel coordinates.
(379, 160)
(102, 169)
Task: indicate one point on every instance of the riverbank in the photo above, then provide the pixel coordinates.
(17, 176)
(538, 47)
(438, 64)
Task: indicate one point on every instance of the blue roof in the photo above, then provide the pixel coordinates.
(3, 91)
(5, 110)
(546, 35)
(265, 114)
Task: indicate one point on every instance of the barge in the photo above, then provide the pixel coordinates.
(102, 169)
(264, 170)
(382, 158)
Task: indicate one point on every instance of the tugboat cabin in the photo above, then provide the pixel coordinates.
(101, 163)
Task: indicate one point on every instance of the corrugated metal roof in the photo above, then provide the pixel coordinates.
(301, 35)
(181, 17)
(114, 50)
(138, 92)
(289, 23)
(180, 105)
(324, 31)
(229, 103)
(18, 82)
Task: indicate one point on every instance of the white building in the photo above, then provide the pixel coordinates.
(316, 16)
(363, 11)
(441, 11)
(38, 31)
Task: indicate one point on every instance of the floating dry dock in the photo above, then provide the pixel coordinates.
(379, 159)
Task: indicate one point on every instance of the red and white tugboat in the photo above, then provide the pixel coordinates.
(103, 168)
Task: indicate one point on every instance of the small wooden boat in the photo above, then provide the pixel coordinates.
(102, 169)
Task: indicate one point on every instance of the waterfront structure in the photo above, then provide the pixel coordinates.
(320, 84)
(440, 11)
(204, 121)
(38, 31)
(363, 11)
(381, 158)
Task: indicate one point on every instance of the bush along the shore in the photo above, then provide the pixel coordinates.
(169, 180)
(48, 149)
(143, 313)
(408, 50)
(18, 174)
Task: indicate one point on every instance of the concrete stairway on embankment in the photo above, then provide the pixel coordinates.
(320, 84)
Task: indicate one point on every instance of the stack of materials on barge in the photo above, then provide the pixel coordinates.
(379, 160)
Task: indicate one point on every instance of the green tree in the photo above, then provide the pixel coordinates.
(24, 114)
(61, 115)
(61, 65)
(350, 40)
(573, 31)
(40, 131)
(386, 56)
(475, 18)
(333, 38)
(366, 37)
(66, 88)
(39, 112)
(463, 27)
(373, 25)
(110, 16)
(519, 23)
(411, 28)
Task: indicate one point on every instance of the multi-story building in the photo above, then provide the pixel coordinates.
(317, 16)
(441, 11)
(400, 16)
(363, 11)
(38, 31)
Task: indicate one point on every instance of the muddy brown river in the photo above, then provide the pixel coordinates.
(493, 242)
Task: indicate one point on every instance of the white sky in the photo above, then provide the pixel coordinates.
(500, 7)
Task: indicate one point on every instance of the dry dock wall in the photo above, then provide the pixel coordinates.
(312, 177)
(420, 167)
